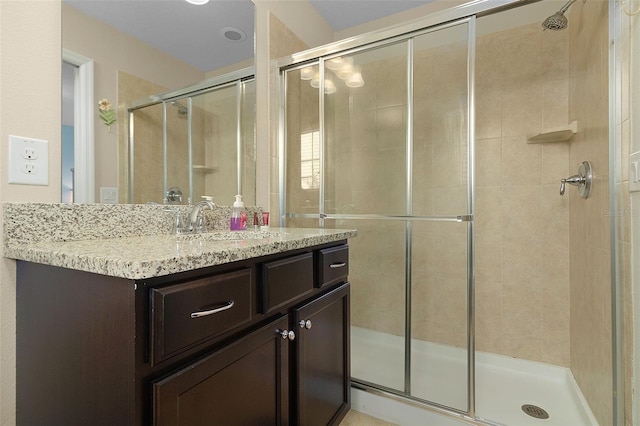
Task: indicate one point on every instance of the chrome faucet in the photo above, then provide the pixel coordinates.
(196, 220)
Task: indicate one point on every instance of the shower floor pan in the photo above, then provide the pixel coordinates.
(503, 384)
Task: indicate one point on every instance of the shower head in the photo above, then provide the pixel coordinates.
(558, 21)
(182, 110)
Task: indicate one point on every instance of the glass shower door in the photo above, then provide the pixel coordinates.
(377, 139)
(365, 169)
(441, 204)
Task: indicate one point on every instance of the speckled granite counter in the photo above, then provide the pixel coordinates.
(57, 239)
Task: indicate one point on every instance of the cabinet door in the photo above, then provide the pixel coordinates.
(244, 383)
(321, 359)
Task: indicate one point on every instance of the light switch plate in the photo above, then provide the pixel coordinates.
(28, 161)
(108, 195)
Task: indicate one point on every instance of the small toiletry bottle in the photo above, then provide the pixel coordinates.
(243, 220)
(256, 225)
(236, 216)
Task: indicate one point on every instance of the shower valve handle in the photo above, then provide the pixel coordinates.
(575, 180)
(582, 180)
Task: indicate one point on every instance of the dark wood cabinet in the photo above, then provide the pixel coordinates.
(218, 345)
(244, 383)
(322, 380)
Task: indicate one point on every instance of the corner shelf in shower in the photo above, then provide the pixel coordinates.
(555, 134)
(205, 169)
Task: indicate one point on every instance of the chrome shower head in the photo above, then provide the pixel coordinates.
(183, 111)
(558, 21)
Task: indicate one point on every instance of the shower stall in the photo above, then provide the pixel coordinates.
(466, 296)
(194, 142)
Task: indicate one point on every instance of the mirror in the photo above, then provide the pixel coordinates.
(194, 143)
(166, 45)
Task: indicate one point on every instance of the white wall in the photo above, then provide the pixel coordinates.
(30, 84)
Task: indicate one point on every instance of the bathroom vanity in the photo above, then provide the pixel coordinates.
(251, 331)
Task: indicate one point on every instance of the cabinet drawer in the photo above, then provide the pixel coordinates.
(333, 265)
(185, 314)
(285, 280)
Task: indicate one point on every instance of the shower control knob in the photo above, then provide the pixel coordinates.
(286, 334)
(305, 324)
(582, 180)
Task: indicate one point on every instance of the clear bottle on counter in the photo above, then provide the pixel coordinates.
(235, 224)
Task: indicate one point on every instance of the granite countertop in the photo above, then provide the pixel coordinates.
(147, 256)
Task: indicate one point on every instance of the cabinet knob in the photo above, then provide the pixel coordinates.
(305, 324)
(286, 334)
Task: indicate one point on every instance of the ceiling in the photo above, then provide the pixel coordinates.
(193, 33)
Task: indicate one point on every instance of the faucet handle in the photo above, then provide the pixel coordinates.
(177, 225)
(200, 223)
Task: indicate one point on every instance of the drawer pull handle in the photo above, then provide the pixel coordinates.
(199, 314)
(337, 265)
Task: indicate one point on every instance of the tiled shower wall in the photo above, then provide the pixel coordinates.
(522, 226)
(591, 361)
(542, 260)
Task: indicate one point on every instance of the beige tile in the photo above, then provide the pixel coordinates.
(391, 78)
(522, 111)
(523, 347)
(555, 57)
(488, 162)
(488, 257)
(488, 113)
(522, 261)
(555, 352)
(522, 313)
(522, 210)
(555, 103)
(489, 318)
(390, 128)
(523, 56)
(555, 270)
(521, 162)
(555, 162)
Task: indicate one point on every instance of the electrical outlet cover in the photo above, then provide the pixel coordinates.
(28, 161)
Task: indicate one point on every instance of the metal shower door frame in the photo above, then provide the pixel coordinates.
(326, 53)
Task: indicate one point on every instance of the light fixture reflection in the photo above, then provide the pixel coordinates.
(345, 70)
(355, 79)
(315, 81)
(335, 64)
(197, 2)
(329, 87)
(306, 73)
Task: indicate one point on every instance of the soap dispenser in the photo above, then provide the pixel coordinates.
(236, 216)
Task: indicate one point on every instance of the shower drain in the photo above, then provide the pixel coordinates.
(535, 411)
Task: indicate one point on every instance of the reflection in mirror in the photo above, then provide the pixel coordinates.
(68, 79)
(196, 142)
(163, 46)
